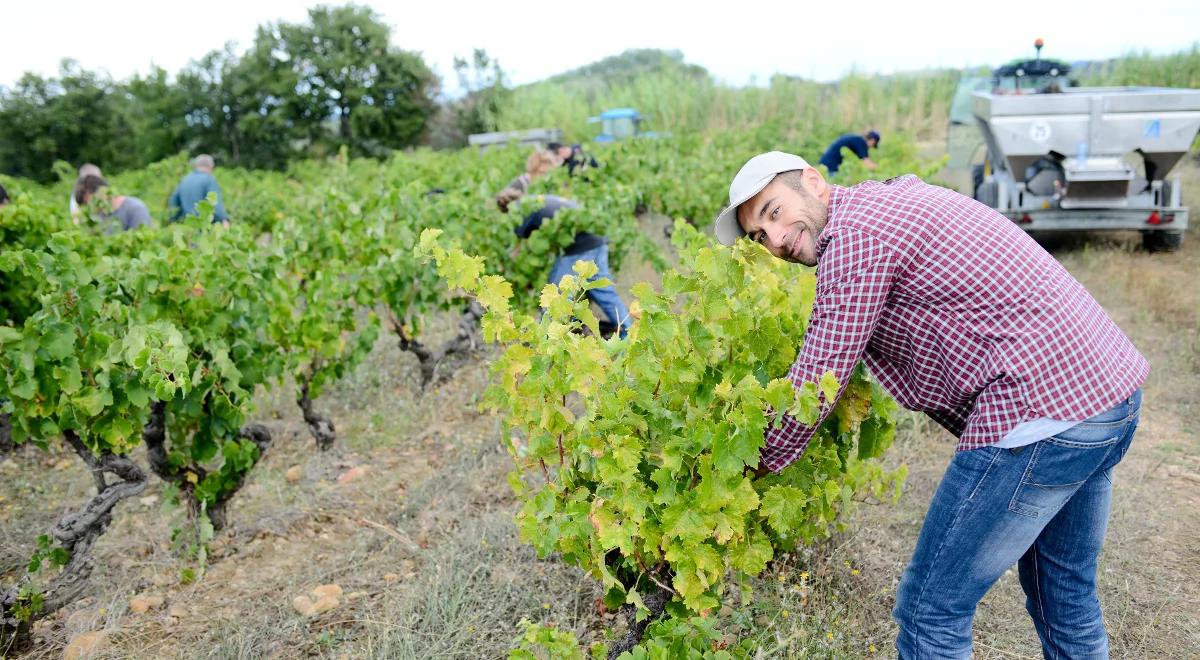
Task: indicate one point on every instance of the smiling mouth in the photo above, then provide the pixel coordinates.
(794, 246)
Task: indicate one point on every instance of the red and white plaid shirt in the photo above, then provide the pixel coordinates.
(957, 313)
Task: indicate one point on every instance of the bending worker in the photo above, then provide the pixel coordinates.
(860, 145)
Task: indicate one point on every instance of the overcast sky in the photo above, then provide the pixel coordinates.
(535, 39)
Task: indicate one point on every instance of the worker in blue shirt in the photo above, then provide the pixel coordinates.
(858, 144)
(195, 187)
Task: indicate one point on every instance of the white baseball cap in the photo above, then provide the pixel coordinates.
(750, 180)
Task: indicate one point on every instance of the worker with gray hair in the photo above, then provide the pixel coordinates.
(195, 187)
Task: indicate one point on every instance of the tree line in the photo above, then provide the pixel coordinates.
(300, 90)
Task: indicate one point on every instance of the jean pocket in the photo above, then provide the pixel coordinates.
(1059, 465)
(1085, 435)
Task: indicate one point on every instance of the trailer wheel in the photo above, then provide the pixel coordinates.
(1162, 241)
(988, 193)
(976, 179)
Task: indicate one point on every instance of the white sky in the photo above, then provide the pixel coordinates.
(737, 42)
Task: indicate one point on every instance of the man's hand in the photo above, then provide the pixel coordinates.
(757, 471)
(515, 251)
(870, 164)
(506, 197)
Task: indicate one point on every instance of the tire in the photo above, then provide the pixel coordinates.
(988, 193)
(976, 179)
(1162, 241)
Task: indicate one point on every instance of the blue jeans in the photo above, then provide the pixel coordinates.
(1043, 507)
(605, 297)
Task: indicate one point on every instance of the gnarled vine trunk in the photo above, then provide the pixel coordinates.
(319, 424)
(155, 435)
(466, 338)
(656, 602)
(76, 532)
(6, 442)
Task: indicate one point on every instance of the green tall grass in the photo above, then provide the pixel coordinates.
(682, 99)
(674, 102)
(1177, 70)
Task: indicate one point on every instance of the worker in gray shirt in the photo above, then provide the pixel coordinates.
(117, 212)
(195, 187)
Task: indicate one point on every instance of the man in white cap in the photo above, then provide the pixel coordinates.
(959, 314)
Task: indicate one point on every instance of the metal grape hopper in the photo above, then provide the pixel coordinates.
(1061, 157)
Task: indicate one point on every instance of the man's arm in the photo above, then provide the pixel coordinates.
(219, 214)
(532, 222)
(515, 190)
(175, 205)
(843, 319)
(863, 151)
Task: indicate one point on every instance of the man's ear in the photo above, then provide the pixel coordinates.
(813, 180)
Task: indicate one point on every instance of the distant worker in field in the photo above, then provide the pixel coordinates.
(959, 314)
(87, 169)
(537, 165)
(586, 247)
(195, 187)
(117, 213)
(3, 196)
(572, 157)
(859, 145)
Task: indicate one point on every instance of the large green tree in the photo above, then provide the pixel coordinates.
(79, 116)
(351, 86)
(302, 89)
(240, 109)
(158, 112)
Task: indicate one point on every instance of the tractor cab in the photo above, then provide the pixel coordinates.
(1036, 76)
(618, 124)
(964, 142)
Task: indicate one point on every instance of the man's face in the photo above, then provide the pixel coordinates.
(872, 143)
(100, 200)
(785, 221)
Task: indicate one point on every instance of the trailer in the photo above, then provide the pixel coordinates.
(1089, 158)
(537, 138)
(1065, 158)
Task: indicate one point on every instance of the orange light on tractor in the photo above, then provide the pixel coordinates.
(1025, 220)
(1154, 218)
